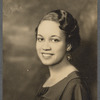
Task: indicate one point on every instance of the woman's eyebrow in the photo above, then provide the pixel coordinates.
(55, 36)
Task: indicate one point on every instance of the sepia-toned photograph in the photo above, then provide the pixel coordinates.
(49, 50)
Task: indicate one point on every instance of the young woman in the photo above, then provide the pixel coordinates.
(56, 36)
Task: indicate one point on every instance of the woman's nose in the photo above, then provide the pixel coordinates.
(46, 46)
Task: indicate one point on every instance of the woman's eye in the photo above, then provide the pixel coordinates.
(40, 39)
(55, 40)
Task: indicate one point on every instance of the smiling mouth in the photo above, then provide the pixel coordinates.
(47, 55)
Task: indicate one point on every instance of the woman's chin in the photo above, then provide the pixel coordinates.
(52, 63)
(47, 63)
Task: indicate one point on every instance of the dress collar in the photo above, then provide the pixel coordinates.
(53, 94)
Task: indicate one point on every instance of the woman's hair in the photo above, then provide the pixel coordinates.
(67, 23)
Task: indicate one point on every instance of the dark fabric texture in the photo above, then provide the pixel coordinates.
(72, 87)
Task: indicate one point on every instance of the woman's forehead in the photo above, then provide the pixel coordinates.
(49, 28)
(48, 24)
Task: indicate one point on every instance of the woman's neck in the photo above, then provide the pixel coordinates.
(61, 70)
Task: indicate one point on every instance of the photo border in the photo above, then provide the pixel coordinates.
(1, 49)
(98, 53)
(98, 49)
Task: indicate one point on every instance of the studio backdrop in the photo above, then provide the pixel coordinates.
(22, 70)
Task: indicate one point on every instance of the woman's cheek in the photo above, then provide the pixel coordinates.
(37, 47)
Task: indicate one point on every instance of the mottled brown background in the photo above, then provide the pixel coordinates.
(22, 70)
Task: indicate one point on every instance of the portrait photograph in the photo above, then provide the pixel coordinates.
(49, 50)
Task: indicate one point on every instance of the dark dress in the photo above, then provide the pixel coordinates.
(72, 87)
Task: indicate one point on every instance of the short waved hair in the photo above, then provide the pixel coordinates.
(67, 23)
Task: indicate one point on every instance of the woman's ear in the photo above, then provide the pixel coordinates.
(69, 47)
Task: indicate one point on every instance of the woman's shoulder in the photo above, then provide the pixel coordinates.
(77, 83)
(76, 79)
(76, 87)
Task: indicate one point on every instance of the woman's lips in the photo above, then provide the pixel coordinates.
(47, 55)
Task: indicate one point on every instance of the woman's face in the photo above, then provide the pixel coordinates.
(50, 45)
